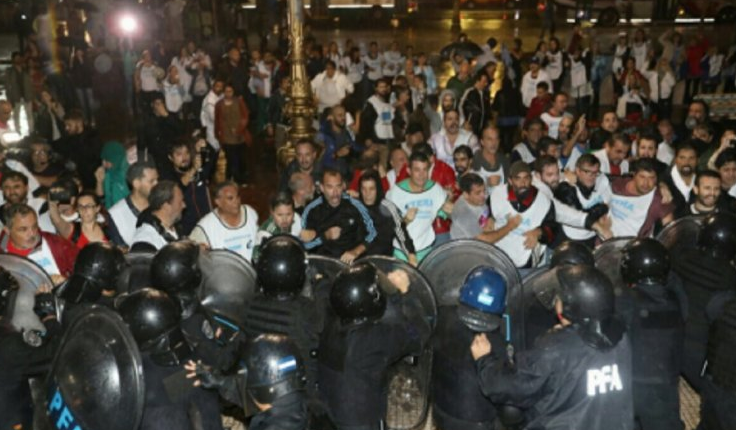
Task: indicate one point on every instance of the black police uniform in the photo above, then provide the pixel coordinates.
(181, 406)
(655, 320)
(718, 394)
(458, 402)
(299, 318)
(18, 361)
(565, 383)
(354, 361)
(706, 280)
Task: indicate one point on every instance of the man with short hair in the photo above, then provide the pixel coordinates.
(442, 174)
(159, 131)
(157, 225)
(420, 201)
(462, 157)
(231, 225)
(609, 126)
(330, 87)
(726, 165)
(666, 148)
(613, 155)
(636, 203)
(530, 80)
(141, 177)
(15, 190)
(555, 113)
(376, 119)
(188, 168)
(680, 178)
(21, 236)
(490, 162)
(587, 193)
(335, 224)
(207, 115)
(527, 150)
(475, 104)
(450, 137)
(647, 147)
(337, 141)
(80, 146)
(530, 213)
(301, 186)
(706, 192)
(470, 213)
(305, 161)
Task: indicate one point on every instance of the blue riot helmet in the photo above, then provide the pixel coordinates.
(482, 299)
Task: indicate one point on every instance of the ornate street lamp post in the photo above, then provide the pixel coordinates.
(301, 109)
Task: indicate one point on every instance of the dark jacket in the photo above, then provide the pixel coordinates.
(350, 215)
(565, 383)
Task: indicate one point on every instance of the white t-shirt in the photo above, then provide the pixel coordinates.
(213, 231)
(125, 219)
(428, 204)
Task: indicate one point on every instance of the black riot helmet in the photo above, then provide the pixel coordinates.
(645, 261)
(572, 253)
(273, 368)
(8, 292)
(358, 294)
(588, 303)
(153, 318)
(282, 267)
(97, 268)
(175, 268)
(717, 236)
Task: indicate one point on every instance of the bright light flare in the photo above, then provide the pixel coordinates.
(128, 24)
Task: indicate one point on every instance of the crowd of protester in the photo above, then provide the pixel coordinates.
(540, 145)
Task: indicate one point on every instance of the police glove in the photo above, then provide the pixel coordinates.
(209, 378)
(595, 213)
(45, 305)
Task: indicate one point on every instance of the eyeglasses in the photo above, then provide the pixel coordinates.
(590, 172)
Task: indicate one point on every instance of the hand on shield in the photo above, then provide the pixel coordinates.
(400, 279)
(204, 376)
(481, 346)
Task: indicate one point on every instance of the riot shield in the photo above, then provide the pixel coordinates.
(447, 266)
(29, 276)
(608, 259)
(532, 305)
(96, 379)
(681, 234)
(408, 399)
(320, 267)
(136, 274)
(228, 283)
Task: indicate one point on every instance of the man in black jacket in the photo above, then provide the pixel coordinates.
(475, 104)
(336, 224)
(577, 375)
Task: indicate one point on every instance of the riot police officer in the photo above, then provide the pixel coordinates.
(22, 353)
(577, 375)
(154, 321)
(569, 252)
(94, 280)
(360, 343)
(279, 307)
(458, 403)
(708, 276)
(175, 270)
(718, 396)
(655, 320)
(270, 376)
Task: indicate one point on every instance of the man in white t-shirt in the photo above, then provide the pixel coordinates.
(420, 201)
(554, 114)
(142, 176)
(613, 155)
(231, 225)
(331, 86)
